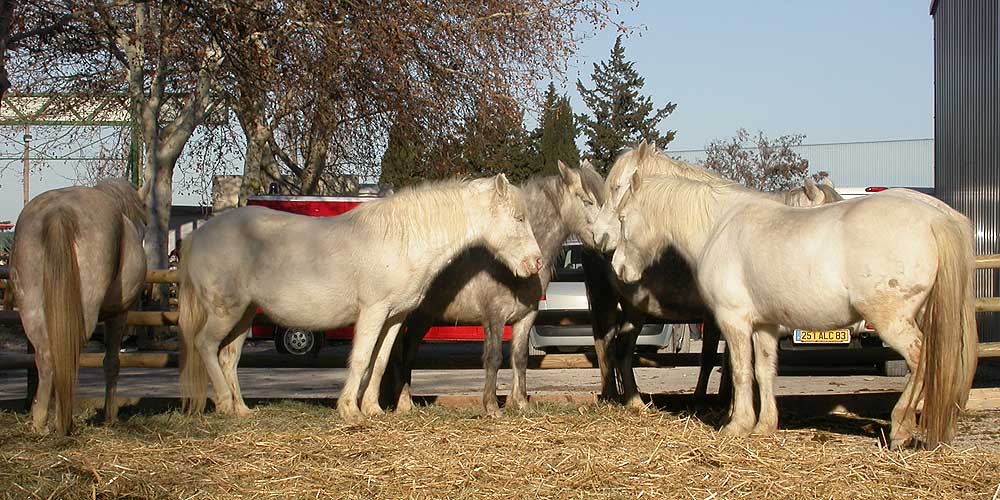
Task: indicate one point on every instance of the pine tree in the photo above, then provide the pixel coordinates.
(621, 115)
(555, 137)
(493, 144)
(403, 162)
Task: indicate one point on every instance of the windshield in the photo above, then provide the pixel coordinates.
(569, 265)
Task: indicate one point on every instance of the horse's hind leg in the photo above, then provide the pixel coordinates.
(519, 360)
(765, 348)
(208, 342)
(492, 358)
(114, 330)
(903, 336)
(34, 328)
(229, 358)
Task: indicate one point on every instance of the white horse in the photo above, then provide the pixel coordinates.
(77, 259)
(370, 267)
(667, 290)
(900, 260)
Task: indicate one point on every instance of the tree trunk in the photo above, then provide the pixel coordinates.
(6, 21)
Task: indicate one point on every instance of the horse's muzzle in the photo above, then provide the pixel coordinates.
(531, 265)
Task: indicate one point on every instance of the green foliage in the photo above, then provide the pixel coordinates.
(555, 137)
(404, 161)
(496, 143)
(621, 115)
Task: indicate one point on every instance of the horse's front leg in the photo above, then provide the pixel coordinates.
(114, 331)
(709, 356)
(765, 348)
(397, 387)
(628, 334)
(492, 358)
(519, 360)
(603, 320)
(738, 333)
(369, 401)
(366, 335)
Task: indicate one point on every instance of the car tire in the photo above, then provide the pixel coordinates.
(297, 342)
(895, 368)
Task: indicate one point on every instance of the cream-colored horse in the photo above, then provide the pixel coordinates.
(370, 267)
(899, 259)
(77, 259)
(667, 290)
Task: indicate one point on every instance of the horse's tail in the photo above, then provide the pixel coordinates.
(63, 309)
(194, 377)
(949, 354)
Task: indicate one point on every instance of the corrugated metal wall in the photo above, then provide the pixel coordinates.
(967, 125)
(908, 162)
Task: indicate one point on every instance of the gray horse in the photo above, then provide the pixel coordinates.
(478, 288)
(77, 259)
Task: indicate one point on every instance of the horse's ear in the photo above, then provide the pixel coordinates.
(501, 183)
(585, 164)
(643, 148)
(570, 177)
(636, 181)
(812, 192)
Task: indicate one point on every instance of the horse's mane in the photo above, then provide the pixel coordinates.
(593, 183)
(418, 212)
(648, 160)
(664, 194)
(126, 196)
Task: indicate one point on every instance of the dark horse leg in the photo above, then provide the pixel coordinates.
(492, 358)
(396, 392)
(628, 334)
(519, 361)
(114, 330)
(709, 356)
(603, 319)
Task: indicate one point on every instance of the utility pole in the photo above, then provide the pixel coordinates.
(27, 165)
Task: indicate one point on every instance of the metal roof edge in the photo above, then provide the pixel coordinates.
(934, 4)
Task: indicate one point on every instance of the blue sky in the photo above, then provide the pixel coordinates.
(849, 70)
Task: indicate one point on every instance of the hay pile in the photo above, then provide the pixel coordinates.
(296, 450)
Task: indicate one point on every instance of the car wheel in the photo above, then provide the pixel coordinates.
(895, 368)
(297, 342)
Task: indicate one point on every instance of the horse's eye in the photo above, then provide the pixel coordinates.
(588, 203)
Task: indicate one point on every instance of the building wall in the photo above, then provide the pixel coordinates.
(967, 125)
(908, 163)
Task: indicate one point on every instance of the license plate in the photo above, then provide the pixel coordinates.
(842, 336)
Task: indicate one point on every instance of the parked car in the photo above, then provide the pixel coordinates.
(568, 292)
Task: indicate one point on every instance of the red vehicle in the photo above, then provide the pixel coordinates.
(301, 342)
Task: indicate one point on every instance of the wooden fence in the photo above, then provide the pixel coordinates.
(428, 360)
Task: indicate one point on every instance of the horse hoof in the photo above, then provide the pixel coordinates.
(494, 413)
(635, 403)
(350, 413)
(764, 430)
(404, 405)
(42, 430)
(518, 404)
(372, 410)
(900, 443)
(733, 429)
(243, 412)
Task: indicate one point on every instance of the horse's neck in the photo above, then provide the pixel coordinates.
(547, 224)
(701, 218)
